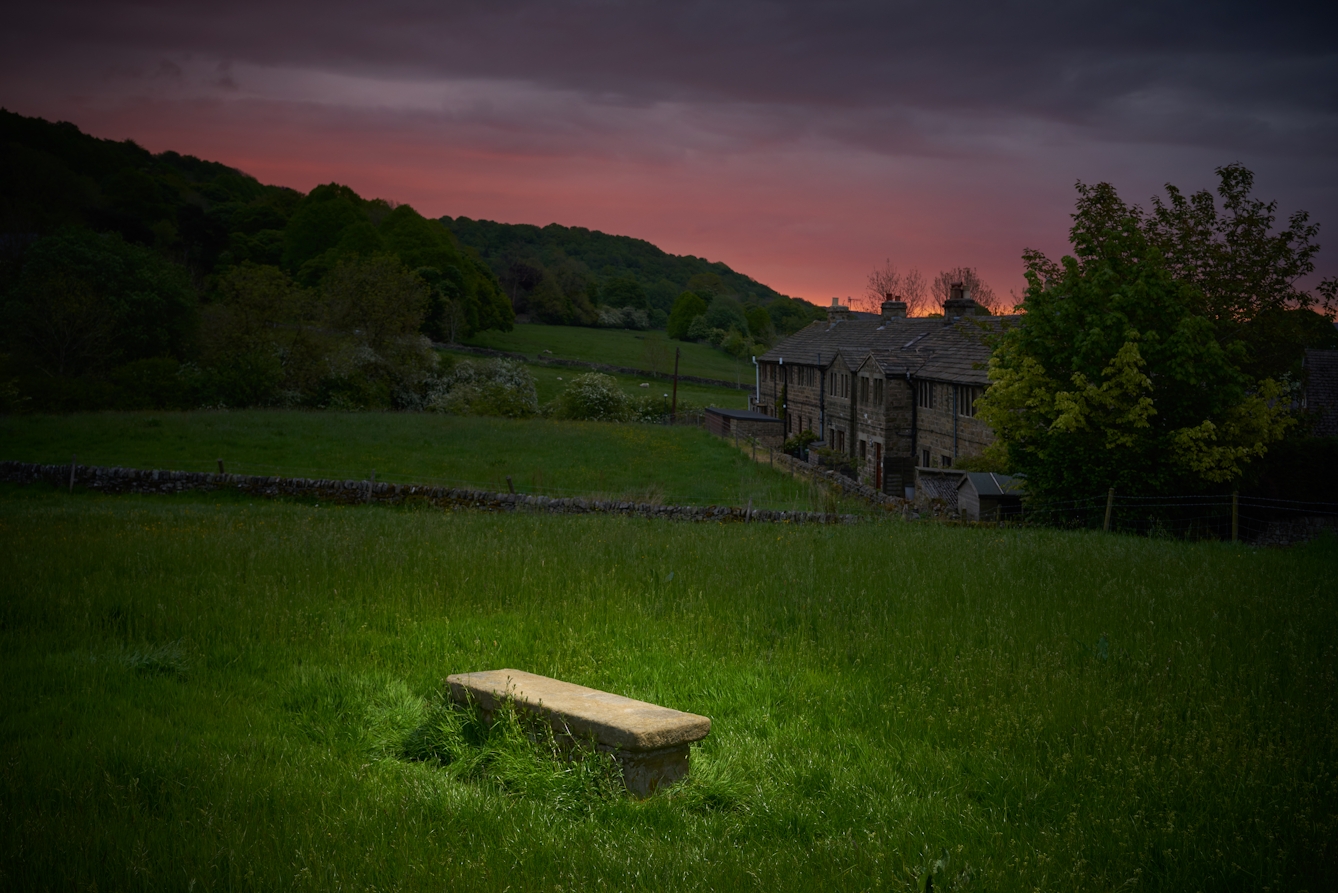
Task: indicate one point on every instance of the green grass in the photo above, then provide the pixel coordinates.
(672, 465)
(202, 696)
(651, 350)
(550, 381)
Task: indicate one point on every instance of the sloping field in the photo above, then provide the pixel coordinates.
(652, 351)
(206, 697)
(646, 463)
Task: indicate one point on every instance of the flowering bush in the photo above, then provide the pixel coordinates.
(486, 387)
(594, 397)
(622, 318)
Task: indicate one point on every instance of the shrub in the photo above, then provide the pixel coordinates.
(698, 330)
(486, 387)
(594, 397)
(622, 318)
(798, 444)
(687, 308)
(735, 344)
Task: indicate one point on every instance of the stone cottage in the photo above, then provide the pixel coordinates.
(891, 392)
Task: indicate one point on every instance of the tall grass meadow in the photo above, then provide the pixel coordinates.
(213, 695)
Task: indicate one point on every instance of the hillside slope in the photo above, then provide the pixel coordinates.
(556, 273)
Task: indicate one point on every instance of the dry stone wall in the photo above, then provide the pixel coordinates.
(135, 480)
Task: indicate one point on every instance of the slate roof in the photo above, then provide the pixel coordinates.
(925, 347)
(746, 415)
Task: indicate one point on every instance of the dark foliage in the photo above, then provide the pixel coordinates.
(108, 254)
(588, 267)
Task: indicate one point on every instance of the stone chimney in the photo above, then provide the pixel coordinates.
(836, 312)
(959, 304)
(893, 308)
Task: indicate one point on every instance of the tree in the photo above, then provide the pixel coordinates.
(265, 339)
(688, 307)
(908, 286)
(760, 327)
(1246, 274)
(726, 313)
(624, 291)
(85, 301)
(976, 288)
(1114, 377)
(707, 284)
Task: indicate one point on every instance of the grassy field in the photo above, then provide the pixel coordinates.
(550, 381)
(202, 696)
(679, 465)
(651, 350)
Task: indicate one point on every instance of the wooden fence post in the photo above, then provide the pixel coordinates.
(1235, 514)
(1110, 504)
(370, 485)
(510, 486)
(73, 461)
(220, 467)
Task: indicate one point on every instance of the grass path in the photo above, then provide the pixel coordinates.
(202, 697)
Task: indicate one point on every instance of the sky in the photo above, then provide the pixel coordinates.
(802, 143)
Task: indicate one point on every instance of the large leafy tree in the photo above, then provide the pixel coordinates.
(1118, 374)
(87, 301)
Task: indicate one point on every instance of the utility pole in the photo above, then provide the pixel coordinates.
(673, 409)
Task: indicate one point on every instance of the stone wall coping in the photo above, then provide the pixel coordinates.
(610, 720)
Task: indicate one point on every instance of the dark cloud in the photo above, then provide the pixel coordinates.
(1239, 73)
(946, 133)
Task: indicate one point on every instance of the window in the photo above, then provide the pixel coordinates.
(878, 391)
(925, 391)
(966, 400)
(947, 461)
(863, 390)
(863, 449)
(924, 459)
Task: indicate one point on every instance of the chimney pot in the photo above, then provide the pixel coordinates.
(837, 312)
(893, 308)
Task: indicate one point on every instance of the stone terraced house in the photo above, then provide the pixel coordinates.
(893, 393)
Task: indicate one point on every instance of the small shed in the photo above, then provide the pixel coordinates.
(743, 423)
(986, 496)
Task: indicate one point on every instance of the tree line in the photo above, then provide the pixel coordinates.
(129, 279)
(566, 274)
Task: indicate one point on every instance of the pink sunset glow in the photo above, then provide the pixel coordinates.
(805, 182)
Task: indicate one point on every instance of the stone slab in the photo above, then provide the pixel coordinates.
(612, 721)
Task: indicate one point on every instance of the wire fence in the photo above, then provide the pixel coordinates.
(1226, 516)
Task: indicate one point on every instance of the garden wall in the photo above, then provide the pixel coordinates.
(135, 480)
